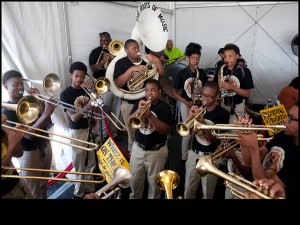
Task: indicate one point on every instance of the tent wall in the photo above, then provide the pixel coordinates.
(262, 31)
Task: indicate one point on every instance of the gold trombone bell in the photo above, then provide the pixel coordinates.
(167, 180)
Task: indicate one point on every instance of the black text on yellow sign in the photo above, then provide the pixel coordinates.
(274, 116)
(110, 157)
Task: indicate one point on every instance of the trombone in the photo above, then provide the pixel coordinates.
(122, 177)
(218, 127)
(27, 111)
(98, 102)
(115, 47)
(53, 178)
(167, 180)
(205, 165)
(101, 85)
(51, 83)
(136, 121)
(184, 128)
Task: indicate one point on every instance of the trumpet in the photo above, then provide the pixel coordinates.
(136, 121)
(184, 128)
(218, 127)
(138, 79)
(122, 177)
(97, 102)
(102, 179)
(205, 166)
(167, 180)
(51, 83)
(101, 85)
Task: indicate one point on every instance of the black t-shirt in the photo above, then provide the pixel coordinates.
(7, 184)
(147, 135)
(94, 55)
(28, 145)
(121, 66)
(218, 115)
(186, 77)
(68, 96)
(289, 173)
(243, 79)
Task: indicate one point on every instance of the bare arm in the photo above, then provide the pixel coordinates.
(183, 100)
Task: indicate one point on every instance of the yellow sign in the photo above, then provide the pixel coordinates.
(274, 116)
(110, 157)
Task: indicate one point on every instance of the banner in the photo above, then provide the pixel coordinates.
(274, 116)
(109, 158)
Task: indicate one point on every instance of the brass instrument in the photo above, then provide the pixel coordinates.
(115, 47)
(218, 127)
(93, 147)
(184, 128)
(122, 177)
(167, 180)
(101, 85)
(53, 178)
(27, 111)
(196, 90)
(136, 121)
(51, 83)
(216, 156)
(221, 80)
(205, 165)
(137, 80)
(98, 102)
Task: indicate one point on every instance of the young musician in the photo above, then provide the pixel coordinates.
(183, 88)
(83, 161)
(37, 151)
(150, 150)
(236, 82)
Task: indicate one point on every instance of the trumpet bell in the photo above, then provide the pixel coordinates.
(182, 129)
(51, 84)
(135, 122)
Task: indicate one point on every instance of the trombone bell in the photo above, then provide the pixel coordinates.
(167, 180)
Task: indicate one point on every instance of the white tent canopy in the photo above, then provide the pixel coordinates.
(46, 37)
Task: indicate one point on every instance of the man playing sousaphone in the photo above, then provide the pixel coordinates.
(235, 81)
(123, 71)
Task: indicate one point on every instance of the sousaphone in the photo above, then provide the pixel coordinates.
(151, 30)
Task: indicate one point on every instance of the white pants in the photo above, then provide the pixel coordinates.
(83, 161)
(38, 159)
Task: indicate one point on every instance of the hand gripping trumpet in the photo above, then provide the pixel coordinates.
(205, 165)
(218, 127)
(136, 121)
(184, 128)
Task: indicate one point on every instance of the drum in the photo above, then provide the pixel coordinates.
(172, 71)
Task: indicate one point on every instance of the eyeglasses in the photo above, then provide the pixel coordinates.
(208, 97)
(290, 118)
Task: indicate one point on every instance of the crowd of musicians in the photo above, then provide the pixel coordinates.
(272, 166)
